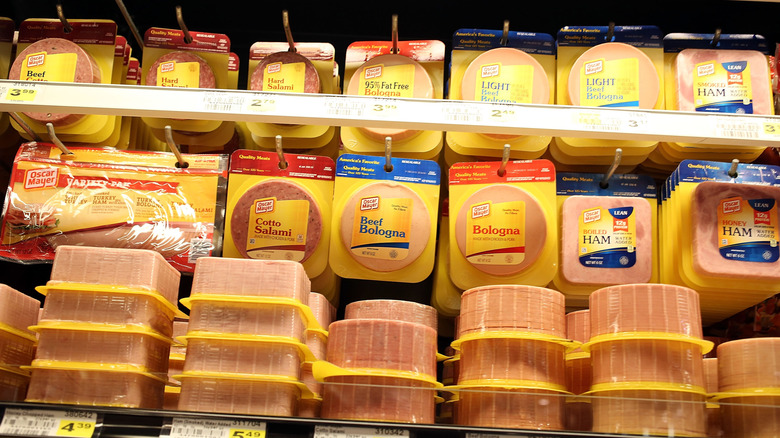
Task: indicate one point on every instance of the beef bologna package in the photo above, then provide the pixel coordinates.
(110, 198)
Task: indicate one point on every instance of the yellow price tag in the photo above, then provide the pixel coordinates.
(20, 94)
(83, 429)
(262, 104)
(246, 433)
(772, 128)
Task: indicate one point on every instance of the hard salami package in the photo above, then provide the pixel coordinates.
(110, 198)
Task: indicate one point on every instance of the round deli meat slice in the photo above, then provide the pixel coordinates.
(419, 228)
(206, 74)
(534, 227)
(273, 63)
(282, 190)
(86, 70)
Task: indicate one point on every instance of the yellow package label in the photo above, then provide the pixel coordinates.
(748, 229)
(494, 233)
(723, 87)
(382, 228)
(610, 83)
(57, 67)
(277, 229)
(178, 74)
(289, 78)
(505, 83)
(607, 237)
(387, 81)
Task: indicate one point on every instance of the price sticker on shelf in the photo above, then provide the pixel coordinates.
(19, 92)
(502, 114)
(262, 104)
(384, 108)
(321, 431)
(207, 428)
(35, 422)
(772, 129)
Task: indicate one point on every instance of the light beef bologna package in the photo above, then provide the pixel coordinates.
(522, 70)
(503, 228)
(280, 214)
(608, 235)
(384, 220)
(726, 229)
(110, 198)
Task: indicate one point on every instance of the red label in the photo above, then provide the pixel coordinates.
(419, 50)
(480, 210)
(369, 203)
(733, 206)
(102, 32)
(373, 72)
(40, 178)
(166, 67)
(264, 206)
(274, 68)
(36, 60)
(7, 28)
(619, 225)
(267, 164)
(312, 51)
(174, 39)
(735, 79)
(87, 182)
(516, 171)
(119, 47)
(761, 218)
(233, 62)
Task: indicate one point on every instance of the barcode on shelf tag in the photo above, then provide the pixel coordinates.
(385, 108)
(344, 107)
(202, 428)
(321, 431)
(19, 91)
(595, 121)
(33, 422)
(737, 128)
(262, 103)
(462, 114)
(496, 435)
(223, 102)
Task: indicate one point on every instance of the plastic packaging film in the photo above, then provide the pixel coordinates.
(524, 409)
(18, 310)
(397, 310)
(512, 307)
(207, 394)
(322, 309)
(246, 318)
(132, 268)
(748, 364)
(513, 359)
(15, 351)
(376, 398)
(13, 385)
(648, 412)
(273, 278)
(242, 357)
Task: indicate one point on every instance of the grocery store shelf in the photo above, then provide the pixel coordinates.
(123, 422)
(428, 114)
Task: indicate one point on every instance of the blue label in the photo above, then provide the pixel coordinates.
(731, 106)
(589, 36)
(621, 213)
(762, 205)
(486, 39)
(610, 258)
(734, 67)
(751, 252)
(625, 185)
(700, 171)
(677, 42)
(404, 169)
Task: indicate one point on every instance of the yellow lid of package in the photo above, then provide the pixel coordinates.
(503, 227)
(384, 220)
(145, 202)
(280, 214)
(323, 370)
(518, 70)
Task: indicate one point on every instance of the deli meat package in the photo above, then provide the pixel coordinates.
(104, 197)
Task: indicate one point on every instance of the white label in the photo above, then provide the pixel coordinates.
(359, 432)
(32, 422)
(201, 428)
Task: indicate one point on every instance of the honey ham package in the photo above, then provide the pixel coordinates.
(724, 230)
(46, 53)
(274, 68)
(416, 71)
(384, 219)
(104, 197)
(503, 228)
(608, 235)
(596, 69)
(280, 214)
(521, 70)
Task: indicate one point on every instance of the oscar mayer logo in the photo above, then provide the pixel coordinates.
(732, 206)
(594, 67)
(488, 71)
(41, 178)
(265, 205)
(705, 70)
(371, 203)
(373, 72)
(593, 215)
(480, 210)
(166, 67)
(275, 67)
(36, 59)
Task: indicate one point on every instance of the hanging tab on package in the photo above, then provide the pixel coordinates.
(504, 160)
(180, 163)
(182, 26)
(733, 169)
(66, 27)
(388, 154)
(280, 153)
(56, 141)
(288, 32)
(504, 34)
(394, 35)
(618, 157)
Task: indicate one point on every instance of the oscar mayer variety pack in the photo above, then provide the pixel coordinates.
(384, 220)
(595, 69)
(608, 235)
(720, 234)
(109, 198)
(416, 71)
(520, 71)
(280, 214)
(45, 52)
(503, 227)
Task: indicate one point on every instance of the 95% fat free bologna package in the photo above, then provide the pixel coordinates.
(110, 198)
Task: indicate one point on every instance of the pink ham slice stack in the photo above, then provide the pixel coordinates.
(317, 342)
(17, 343)
(395, 341)
(578, 413)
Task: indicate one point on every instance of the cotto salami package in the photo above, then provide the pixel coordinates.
(520, 71)
(384, 220)
(503, 228)
(608, 236)
(169, 61)
(416, 71)
(109, 198)
(280, 214)
(724, 231)
(46, 53)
